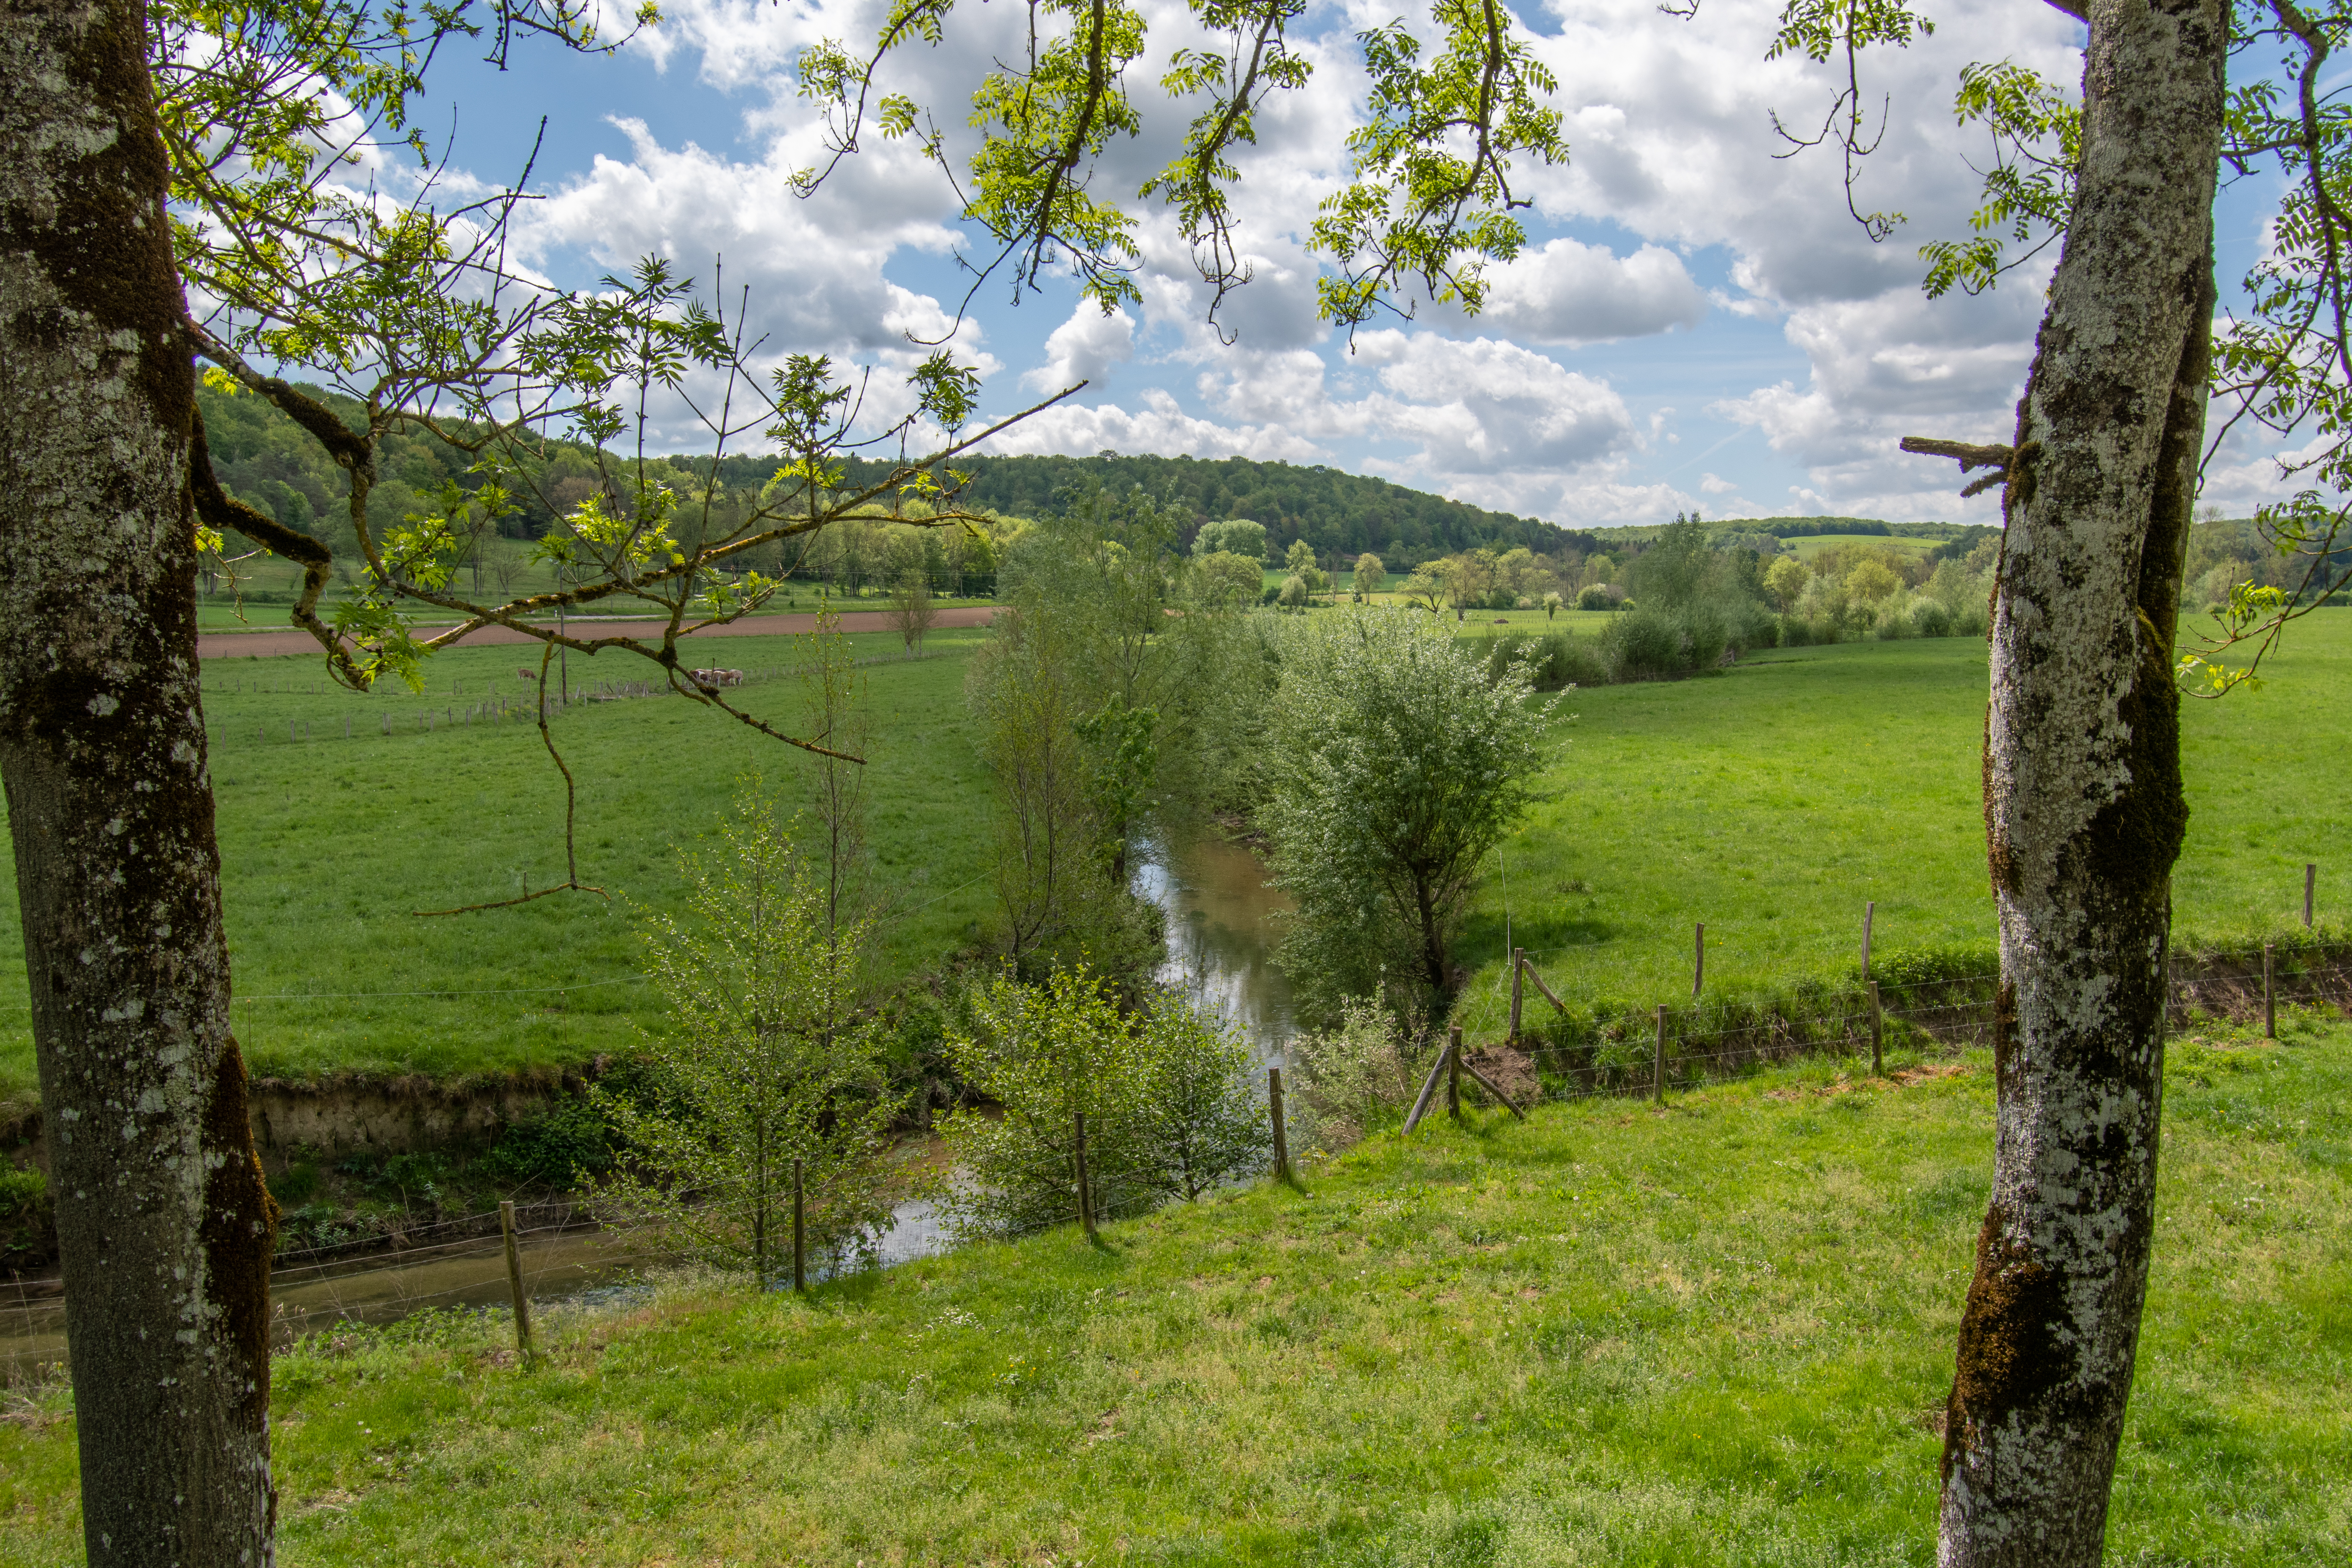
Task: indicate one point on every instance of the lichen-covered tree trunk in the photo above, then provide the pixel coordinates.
(2084, 811)
(164, 1222)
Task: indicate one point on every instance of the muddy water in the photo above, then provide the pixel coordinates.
(376, 1288)
(1220, 934)
(1222, 924)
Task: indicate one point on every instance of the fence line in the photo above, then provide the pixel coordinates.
(1950, 1014)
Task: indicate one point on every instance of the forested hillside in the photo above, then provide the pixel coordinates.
(1337, 513)
(265, 458)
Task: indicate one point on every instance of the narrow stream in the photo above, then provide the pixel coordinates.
(1222, 931)
(1221, 937)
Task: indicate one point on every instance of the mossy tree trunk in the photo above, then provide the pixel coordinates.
(2083, 810)
(163, 1220)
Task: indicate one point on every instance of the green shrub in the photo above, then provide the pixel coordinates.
(1707, 632)
(1907, 966)
(557, 1147)
(1930, 619)
(1170, 1107)
(1596, 597)
(294, 1186)
(1644, 645)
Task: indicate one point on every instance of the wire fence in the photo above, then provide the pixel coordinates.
(459, 1261)
(1682, 1047)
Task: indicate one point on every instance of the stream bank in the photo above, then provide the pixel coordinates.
(389, 1188)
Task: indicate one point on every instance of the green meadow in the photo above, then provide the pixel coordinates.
(1715, 1333)
(1772, 802)
(329, 845)
(1809, 545)
(1769, 801)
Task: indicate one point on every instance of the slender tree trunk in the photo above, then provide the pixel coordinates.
(2084, 811)
(163, 1220)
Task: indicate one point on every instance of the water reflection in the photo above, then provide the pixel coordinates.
(1220, 933)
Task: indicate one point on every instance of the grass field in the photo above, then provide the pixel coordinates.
(329, 845)
(270, 586)
(1769, 801)
(1717, 1334)
(1809, 545)
(1772, 801)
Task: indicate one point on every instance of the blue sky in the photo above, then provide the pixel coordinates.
(1697, 322)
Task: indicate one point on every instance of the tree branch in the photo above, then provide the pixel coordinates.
(1969, 456)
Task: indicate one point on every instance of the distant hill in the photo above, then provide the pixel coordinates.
(267, 459)
(1336, 512)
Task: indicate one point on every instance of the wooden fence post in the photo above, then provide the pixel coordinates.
(2310, 877)
(1518, 971)
(1086, 1198)
(1698, 963)
(1273, 1104)
(514, 1283)
(1428, 1088)
(2269, 999)
(800, 1232)
(1877, 1031)
(1868, 910)
(1658, 1062)
(1454, 1072)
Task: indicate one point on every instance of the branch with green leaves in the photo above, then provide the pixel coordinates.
(1819, 29)
(1430, 195)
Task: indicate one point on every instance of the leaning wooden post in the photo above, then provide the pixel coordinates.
(1086, 1198)
(2310, 879)
(1698, 963)
(800, 1232)
(1877, 1031)
(1274, 1105)
(1518, 971)
(1658, 1062)
(1454, 1072)
(1428, 1088)
(1868, 910)
(514, 1283)
(2270, 998)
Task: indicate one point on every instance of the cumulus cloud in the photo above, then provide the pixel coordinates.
(1486, 406)
(1687, 228)
(1083, 348)
(1569, 292)
(1893, 365)
(1161, 425)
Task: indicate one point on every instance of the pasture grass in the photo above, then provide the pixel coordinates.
(1770, 802)
(1807, 546)
(1773, 800)
(1719, 1333)
(329, 845)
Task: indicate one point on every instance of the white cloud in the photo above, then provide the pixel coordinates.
(1687, 230)
(1485, 406)
(1569, 292)
(1083, 348)
(1162, 427)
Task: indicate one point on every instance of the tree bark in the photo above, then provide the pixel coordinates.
(2083, 810)
(164, 1222)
